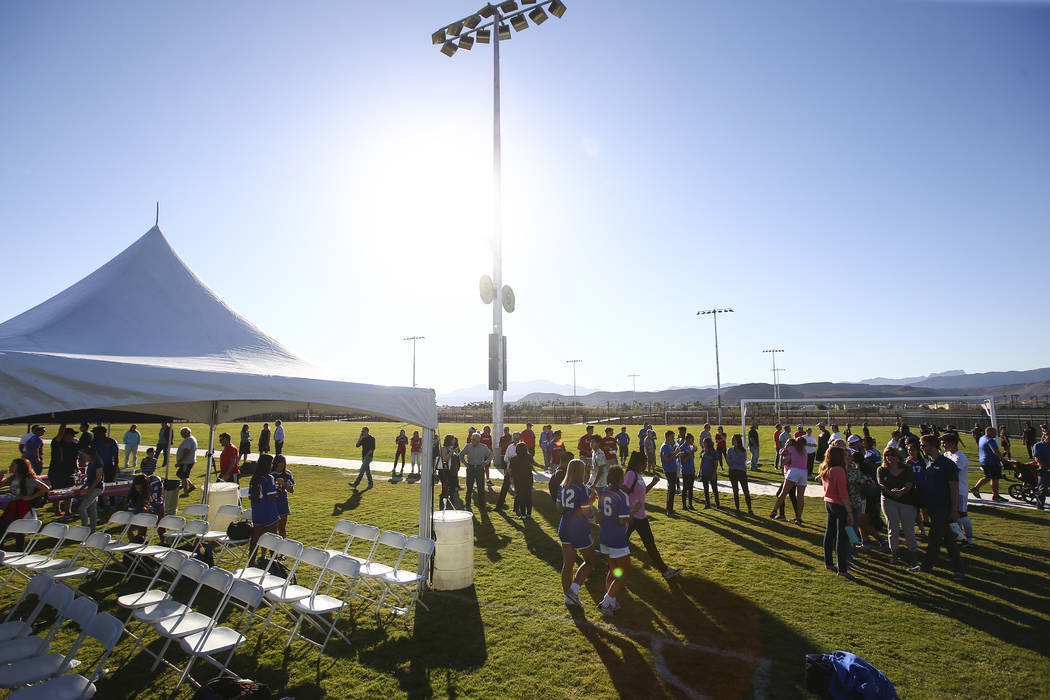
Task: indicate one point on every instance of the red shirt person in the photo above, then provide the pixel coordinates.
(609, 446)
(228, 470)
(584, 444)
(529, 438)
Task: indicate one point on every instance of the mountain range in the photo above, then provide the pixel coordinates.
(1024, 383)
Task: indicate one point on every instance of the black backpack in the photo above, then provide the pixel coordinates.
(239, 530)
(226, 688)
(276, 568)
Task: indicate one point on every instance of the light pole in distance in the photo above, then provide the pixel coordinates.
(713, 313)
(414, 338)
(574, 363)
(776, 386)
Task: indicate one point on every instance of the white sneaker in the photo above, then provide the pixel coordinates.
(572, 599)
(671, 573)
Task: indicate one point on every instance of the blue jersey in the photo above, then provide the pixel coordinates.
(264, 510)
(282, 496)
(614, 505)
(669, 462)
(574, 521)
(623, 440)
(987, 456)
(708, 463)
(688, 459)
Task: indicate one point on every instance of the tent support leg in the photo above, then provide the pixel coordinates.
(426, 494)
(211, 447)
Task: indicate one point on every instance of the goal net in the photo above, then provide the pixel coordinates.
(960, 411)
(687, 417)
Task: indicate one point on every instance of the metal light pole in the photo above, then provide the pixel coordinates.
(483, 27)
(713, 313)
(414, 338)
(574, 363)
(776, 387)
(634, 386)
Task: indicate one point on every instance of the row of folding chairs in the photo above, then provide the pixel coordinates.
(87, 558)
(27, 663)
(394, 583)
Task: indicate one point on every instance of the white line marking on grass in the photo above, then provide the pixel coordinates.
(759, 679)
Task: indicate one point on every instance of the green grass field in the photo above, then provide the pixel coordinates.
(754, 597)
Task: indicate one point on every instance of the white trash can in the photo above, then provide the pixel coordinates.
(221, 494)
(454, 550)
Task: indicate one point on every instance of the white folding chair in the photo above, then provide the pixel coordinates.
(271, 542)
(124, 546)
(118, 524)
(193, 513)
(288, 592)
(344, 528)
(156, 549)
(216, 639)
(94, 546)
(29, 528)
(317, 605)
(37, 586)
(389, 543)
(74, 533)
(162, 605)
(407, 580)
(219, 538)
(24, 646)
(364, 539)
(173, 561)
(188, 538)
(42, 666)
(191, 622)
(106, 630)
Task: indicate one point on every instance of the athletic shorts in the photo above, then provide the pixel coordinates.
(993, 472)
(576, 536)
(182, 471)
(615, 552)
(796, 475)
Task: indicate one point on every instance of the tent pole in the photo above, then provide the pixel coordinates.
(211, 446)
(426, 493)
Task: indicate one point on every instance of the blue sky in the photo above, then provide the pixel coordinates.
(864, 183)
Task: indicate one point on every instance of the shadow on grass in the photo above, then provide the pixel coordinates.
(449, 638)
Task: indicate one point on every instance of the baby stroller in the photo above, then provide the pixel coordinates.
(1028, 474)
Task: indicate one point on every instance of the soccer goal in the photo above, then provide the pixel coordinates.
(882, 410)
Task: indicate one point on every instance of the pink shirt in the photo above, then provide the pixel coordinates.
(793, 458)
(636, 483)
(835, 487)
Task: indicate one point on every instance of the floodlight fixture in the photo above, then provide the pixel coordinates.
(455, 28)
(538, 16)
(519, 23)
(449, 48)
(557, 8)
(487, 11)
(508, 6)
(466, 42)
(504, 32)
(484, 36)
(438, 37)
(472, 21)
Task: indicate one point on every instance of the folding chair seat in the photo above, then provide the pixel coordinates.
(344, 528)
(223, 543)
(168, 523)
(190, 569)
(407, 580)
(364, 539)
(288, 592)
(193, 513)
(37, 586)
(74, 533)
(94, 546)
(151, 596)
(24, 646)
(270, 542)
(217, 639)
(30, 528)
(124, 546)
(190, 621)
(374, 569)
(191, 535)
(40, 665)
(103, 628)
(317, 605)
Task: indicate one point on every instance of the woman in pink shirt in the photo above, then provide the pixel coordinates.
(840, 516)
(794, 460)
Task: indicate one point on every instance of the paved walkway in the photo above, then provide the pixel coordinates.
(757, 488)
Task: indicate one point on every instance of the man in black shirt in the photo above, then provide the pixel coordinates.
(941, 493)
(823, 440)
(367, 443)
(752, 445)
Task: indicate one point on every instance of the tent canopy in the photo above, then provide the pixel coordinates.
(168, 346)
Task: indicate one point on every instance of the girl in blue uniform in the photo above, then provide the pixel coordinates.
(615, 511)
(687, 459)
(574, 530)
(708, 472)
(262, 491)
(285, 485)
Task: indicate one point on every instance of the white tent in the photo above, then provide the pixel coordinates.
(144, 334)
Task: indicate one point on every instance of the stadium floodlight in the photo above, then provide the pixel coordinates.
(491, 24)
(713, 313)
(574, 363)
(776, 385)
